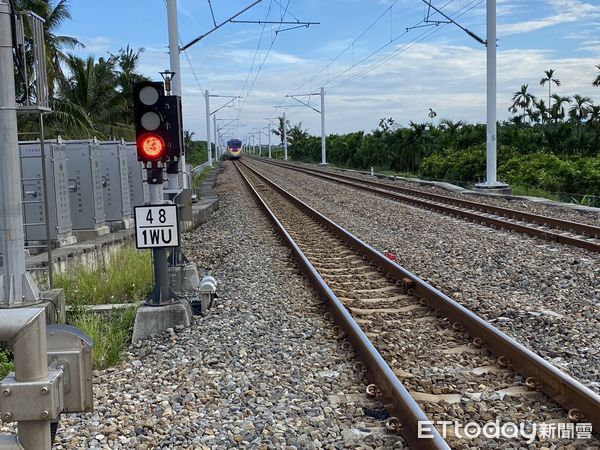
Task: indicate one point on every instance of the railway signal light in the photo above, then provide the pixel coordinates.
(151, 126)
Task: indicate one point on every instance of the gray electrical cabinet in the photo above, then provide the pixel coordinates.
(115, 181)
(138, 188)
(85, 184)
(59, 208)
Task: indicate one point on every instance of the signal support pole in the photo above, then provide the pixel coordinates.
(162, 293)
(285, 156)
(323, 143)
(16, 287)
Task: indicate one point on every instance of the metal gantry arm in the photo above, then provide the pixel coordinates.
(202, 36)
(321, 93)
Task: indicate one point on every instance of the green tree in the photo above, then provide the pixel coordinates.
(54, 15)
(549, 78)
(522, 99)
(557, 111)
(580, 109)
(596, 82)
(282, 127)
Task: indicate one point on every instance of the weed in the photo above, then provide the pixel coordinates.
(6, 364)
(111, 334)
(126, 279)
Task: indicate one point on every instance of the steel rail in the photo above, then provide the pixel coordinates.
(565, 390)
(402, 405)
(426, 200)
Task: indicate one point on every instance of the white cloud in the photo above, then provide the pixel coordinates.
(565, 11)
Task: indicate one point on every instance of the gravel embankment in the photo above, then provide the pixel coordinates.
(542, 294)
(262, 370)
(557, 210)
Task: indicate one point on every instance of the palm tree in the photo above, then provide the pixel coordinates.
(54, 16)
(543, 110)
(580, 109)
(596, 82)
(279, 131)
(549, 79)
(522, 99)
(451, 126)
(558, 110)
(595, 113)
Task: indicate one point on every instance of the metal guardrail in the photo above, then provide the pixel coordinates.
(199, 169)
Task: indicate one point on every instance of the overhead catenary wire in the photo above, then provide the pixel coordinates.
(465, 9)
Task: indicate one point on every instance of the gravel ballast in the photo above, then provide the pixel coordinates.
(542, 294)
(262, 370)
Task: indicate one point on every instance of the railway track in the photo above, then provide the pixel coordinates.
(430, 359)
(544, 227)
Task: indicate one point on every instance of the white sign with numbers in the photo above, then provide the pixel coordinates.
(156, 226)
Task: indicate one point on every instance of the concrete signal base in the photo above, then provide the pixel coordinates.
(151, 320)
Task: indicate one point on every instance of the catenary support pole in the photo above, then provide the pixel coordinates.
(175, 63)
(259, 142)
(269, 131)
(491, 144)
(285, 147)
(323, 143)
(11, 215)
(216, 137)
(208, 139)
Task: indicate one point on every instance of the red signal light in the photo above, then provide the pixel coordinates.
(151, 147)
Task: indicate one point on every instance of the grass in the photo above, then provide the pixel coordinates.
(126, 279)
(111, 334)
(199, 179)
(532, 192)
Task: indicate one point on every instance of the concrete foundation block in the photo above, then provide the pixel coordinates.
(501, 189)
(151, 320)
(54, 302)
(89, 234)
(184, 278)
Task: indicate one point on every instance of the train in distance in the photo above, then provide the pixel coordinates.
(234, 149)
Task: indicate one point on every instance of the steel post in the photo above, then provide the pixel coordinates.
(26, 329)
(259, 143)
(323, 144)
(491, 93)
(269, 131)
(11, 214)
(208, 138)
(285, 146)
(161, 293)
(175, 63)
(216, 137)
(46, 207)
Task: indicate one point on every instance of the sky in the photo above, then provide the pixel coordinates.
(366, 54)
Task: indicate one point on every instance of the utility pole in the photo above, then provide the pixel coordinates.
(259, 143)
(491, 143)
(285, 146)
(323, 144)
(216, 137)
(15, 287)
(491, 55)
(269, 131)
(208, 143)
(175, 63)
